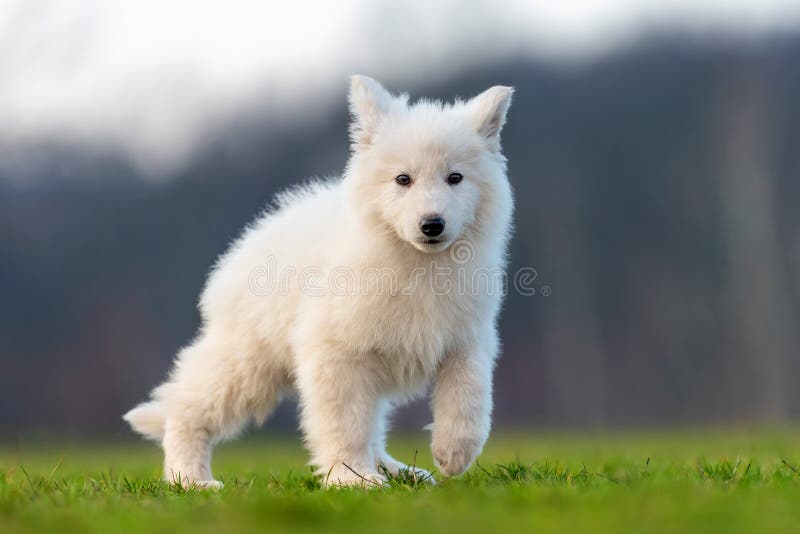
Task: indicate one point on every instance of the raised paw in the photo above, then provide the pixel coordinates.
(452, 459)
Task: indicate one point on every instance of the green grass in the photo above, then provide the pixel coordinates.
(658, 481)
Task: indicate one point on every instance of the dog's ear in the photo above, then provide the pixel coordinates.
(369, 103)
(487, 113)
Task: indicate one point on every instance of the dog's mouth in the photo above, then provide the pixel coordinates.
(431, 244)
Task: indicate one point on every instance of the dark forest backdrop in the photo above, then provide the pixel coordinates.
(657, 193)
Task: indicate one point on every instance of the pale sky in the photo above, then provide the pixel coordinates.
(152, 78)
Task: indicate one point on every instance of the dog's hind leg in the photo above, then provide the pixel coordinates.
(215, 389)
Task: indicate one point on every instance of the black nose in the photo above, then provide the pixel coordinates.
(432, 226)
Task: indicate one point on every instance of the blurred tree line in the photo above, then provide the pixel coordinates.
(657, 195)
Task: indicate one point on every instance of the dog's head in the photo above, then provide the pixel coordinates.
(425, 170)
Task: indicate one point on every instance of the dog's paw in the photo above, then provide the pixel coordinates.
(399, 469)
(207, 484)
(188, 483)
(417, 474)
(454, 458)
(194, 482)
(342, 475)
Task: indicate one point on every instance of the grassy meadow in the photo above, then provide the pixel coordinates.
(697, 480)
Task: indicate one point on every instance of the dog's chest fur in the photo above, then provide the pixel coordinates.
(410, 329)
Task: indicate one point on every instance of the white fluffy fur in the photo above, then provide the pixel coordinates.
(352, 357)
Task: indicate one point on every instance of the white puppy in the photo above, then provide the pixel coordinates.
(359, 293)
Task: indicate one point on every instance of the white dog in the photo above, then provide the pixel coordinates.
(359, 293)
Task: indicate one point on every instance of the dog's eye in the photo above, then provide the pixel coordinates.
(403, 179)
(454, 178)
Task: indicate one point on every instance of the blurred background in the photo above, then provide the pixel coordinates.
(654, 148)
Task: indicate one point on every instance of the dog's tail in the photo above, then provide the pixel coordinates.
(148, 419)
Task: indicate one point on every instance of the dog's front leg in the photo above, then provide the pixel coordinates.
(462, 408)
(339, 405)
